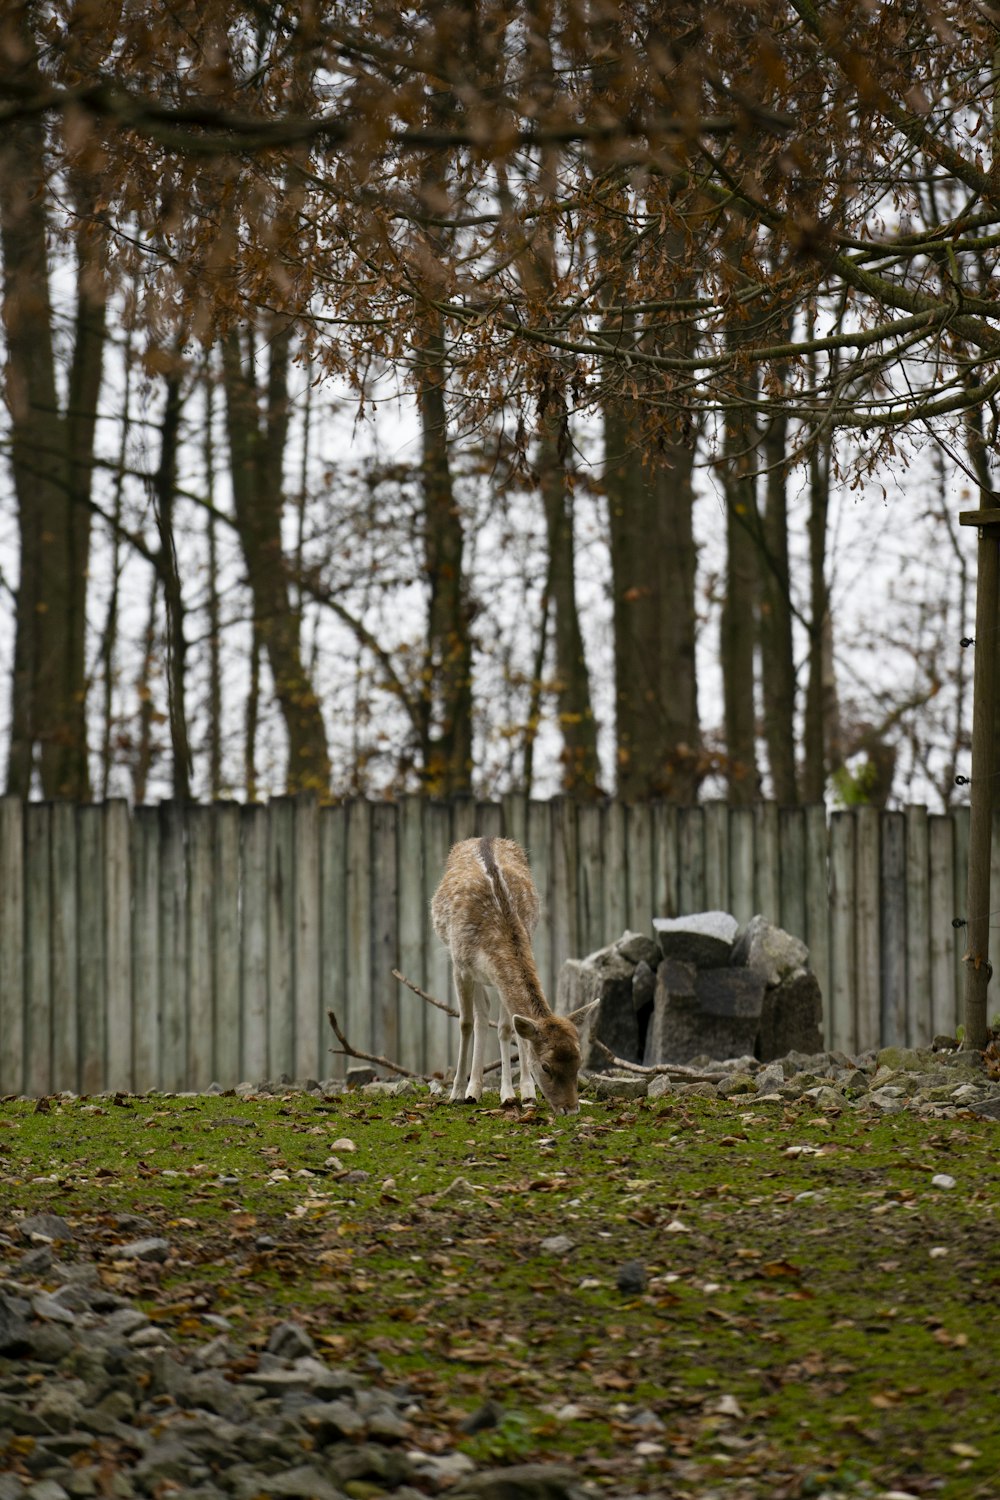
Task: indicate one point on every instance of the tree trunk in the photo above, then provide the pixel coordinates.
(822, 734)
(576, 714)
(164, 485)
(257, 426)
(777, 660)
(52, 460)
(653, 582)
(446, 708)
(737, 627)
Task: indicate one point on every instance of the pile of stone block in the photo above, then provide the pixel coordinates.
(704, 988)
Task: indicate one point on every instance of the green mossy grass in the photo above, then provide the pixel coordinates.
(796, 1329)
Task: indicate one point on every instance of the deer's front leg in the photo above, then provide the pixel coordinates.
(505, 1031)
(464, 991)
(481, 1007)
(527, 1057)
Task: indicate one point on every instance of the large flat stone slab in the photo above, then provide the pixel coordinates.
(704, 939)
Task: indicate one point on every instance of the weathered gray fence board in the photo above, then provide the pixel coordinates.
(942, 891)
(918, 921)
(718, 836)
(145, 948)
(892, 934)
(791, 848)
(90, 1064)
(167, 947)
(226, 1016)
(281, 938)
(253, 960)
(589, 885)
(333, 945)
(414, 931)
(201, 1063)
(173, 948)
(767, 862)
(310, 1023)
(117, 883)
(385, 926)
(63, 937)
(12, 1008)
(37, 949)
(839, 1016)
(868, 971)
(959, 904)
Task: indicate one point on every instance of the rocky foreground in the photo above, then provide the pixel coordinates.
(97, 1399)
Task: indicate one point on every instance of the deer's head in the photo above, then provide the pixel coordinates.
(554, 1055)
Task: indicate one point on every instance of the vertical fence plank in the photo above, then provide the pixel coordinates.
(959, 903)
(868, 962)
(839, 1019)
(333, 946)
(38, 948)
(280, 937)
(716, 816)
(892, 932)
(691, 860)
(614, 872)
(666, 861)
(766, 862)
(253, 943)
(385, 925)
(741, 863)
(226, 942)
(918, 949)
(413, 935)
(65, 1015)
(92, 989)
(590, 878)
(12, 992)
(146, 947)
(117, 888)
(792, 871)
(515, 818)
(489, 820)
(539, 841)
(201, 1062)
(944, 989)
(564, 864)
(818, 897)
(440, 1030)
(357, 1020)
(463, 819)
(173, 948)
(309, 1024)
(639, 857)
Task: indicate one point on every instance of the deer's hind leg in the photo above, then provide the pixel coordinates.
(465, 989)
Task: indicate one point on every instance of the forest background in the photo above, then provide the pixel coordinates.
(495, 394)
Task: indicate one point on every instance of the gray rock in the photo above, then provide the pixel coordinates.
(557, 1244)
(770, 1079)
(620, 1088)
(718, 1017)
(632, 1279)
(643, 986)
(332, 1422)
(637, 948)
(607, 977)
(659, 1085)
(704, 939)
(153, 1249)
(45, 1227)
(791, 1017)
(520, 1482)
(771, 950)
(290, 1341)
(14, 1339)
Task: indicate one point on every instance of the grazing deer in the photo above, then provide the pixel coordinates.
(485, 910)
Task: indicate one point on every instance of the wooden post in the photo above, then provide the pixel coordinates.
(976, 957)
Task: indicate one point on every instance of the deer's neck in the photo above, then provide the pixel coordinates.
(520, 986)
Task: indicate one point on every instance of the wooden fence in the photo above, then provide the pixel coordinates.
(172, 946)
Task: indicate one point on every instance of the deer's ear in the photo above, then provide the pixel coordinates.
(526, 1027)
(579, 1016)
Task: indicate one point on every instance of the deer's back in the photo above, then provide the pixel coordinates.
(466, 911)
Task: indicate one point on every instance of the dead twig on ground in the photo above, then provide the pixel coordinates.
(669, 1070)
(348, 1051)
